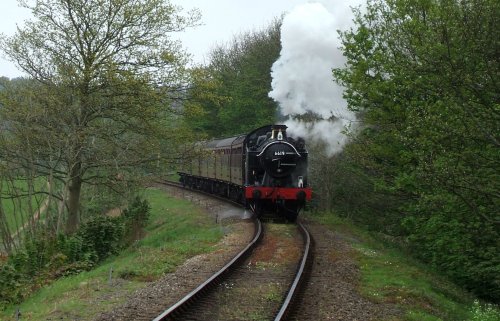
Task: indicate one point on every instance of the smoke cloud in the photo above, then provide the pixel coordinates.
(302, 76)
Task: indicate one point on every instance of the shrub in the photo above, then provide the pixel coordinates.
(71, 246)
(34, 255)
(11, 284)
(487, 312)
(136, 217)
(101, 235)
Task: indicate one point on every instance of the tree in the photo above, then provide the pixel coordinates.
(232, 96)
(105, 72)
(201, 109)
(425, 76)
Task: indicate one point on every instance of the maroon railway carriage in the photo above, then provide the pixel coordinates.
(265, 169)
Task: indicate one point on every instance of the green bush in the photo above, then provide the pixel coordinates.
(487, 312)
(34, 255)
(138, 212)
(101, 235)
(428, 141)
(136, 217)
(11, 284)
(71, 246)
(457, 243)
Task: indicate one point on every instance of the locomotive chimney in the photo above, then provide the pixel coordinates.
(279, 132)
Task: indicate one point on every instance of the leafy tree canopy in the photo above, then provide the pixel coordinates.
(424, 75)
(230, 96)
(105, 72)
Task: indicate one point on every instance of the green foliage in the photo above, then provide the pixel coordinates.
(71, 247)
(136, 217)
(24, 266)
(46, 256)
(101, 235)
(11, 284)
(35, 255)
(230, 96)
(423, 75)
(98, 103)
(138, 212)
(487, 312)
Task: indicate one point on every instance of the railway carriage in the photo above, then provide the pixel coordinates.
(265, 169)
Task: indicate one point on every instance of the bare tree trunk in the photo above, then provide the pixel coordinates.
(61, 207)
(5, 232)
(4, 229)
(31, 210)
(50, 221)
(74, 189)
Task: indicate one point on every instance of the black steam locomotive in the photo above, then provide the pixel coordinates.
(264, 169)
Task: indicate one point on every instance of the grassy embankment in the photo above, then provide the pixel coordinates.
(390, 275)
(176, 231)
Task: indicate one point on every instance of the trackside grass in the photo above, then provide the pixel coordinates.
(176, 231)
(390, 275)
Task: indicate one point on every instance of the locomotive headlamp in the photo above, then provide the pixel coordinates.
(280, 135)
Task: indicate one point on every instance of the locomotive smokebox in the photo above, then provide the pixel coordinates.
(279, 159)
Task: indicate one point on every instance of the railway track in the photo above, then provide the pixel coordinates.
(249, 281)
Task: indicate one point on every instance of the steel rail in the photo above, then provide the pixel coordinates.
(299, 276)
(190, 298)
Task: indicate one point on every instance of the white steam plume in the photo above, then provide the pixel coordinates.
(302, 76)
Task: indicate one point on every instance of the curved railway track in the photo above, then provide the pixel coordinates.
(200, 302)
(300, 277)
(195, 295)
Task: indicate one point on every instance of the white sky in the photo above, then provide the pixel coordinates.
(222, 19)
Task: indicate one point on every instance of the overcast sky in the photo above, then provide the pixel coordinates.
(222, 20)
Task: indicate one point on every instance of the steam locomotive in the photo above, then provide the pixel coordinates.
(265, 170)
